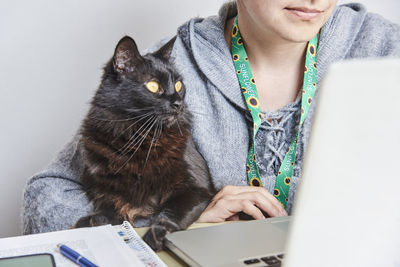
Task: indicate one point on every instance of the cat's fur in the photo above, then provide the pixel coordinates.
(140, 160)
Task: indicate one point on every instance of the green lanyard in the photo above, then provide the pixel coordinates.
(249, 90)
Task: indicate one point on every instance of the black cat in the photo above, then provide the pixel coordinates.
(140, 160)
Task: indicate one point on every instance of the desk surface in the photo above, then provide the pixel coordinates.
(168, 257)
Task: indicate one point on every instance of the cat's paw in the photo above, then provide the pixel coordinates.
(156, 234)
(155, 237)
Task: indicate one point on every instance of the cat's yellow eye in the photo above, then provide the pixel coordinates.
(153, 86)
(178, 86)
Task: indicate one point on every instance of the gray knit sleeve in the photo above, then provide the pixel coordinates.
(53, 199)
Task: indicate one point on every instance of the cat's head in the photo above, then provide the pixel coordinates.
(134, 85)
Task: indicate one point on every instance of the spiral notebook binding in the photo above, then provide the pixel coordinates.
(145, 253)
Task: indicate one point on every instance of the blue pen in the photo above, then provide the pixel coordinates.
(75, 256)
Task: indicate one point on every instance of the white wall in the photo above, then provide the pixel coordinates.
(51, 55)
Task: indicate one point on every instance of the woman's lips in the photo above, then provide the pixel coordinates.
(304, 13)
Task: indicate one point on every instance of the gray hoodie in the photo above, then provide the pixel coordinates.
(53, 198)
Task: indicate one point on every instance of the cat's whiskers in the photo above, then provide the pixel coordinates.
(179, 127)
(142, 139)
(160, 131)
(135, 144)
(128, 146)
(151, 144)
(135, 135)
(142, 135)
(144, 116)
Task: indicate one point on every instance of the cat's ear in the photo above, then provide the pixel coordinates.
(126, 56)
(165, 51)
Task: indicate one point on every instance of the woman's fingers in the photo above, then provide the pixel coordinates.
(224, 209)
(231, 200)
(264, 203)
(278, 210)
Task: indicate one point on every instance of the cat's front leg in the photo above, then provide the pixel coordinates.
(178, 213)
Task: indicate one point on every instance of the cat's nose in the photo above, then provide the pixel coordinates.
(177, 104)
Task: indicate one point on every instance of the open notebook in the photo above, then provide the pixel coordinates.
(104, 245)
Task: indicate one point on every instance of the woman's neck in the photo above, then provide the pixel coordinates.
(265, 48)
(277, 64)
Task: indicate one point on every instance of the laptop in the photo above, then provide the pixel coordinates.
(347, 209)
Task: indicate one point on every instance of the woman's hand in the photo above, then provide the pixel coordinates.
(251, 200)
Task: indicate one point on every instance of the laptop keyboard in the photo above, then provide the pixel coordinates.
(274, 261)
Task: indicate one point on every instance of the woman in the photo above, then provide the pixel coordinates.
(276, 37)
